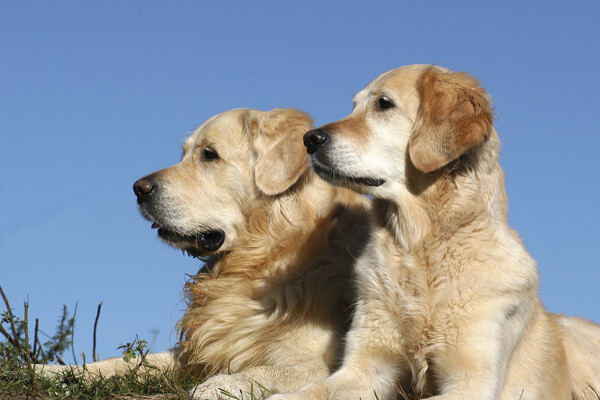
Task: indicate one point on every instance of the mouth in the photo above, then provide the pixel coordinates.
(336, 178)
(196, 244)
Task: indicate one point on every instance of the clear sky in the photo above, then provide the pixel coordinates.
(96, 94)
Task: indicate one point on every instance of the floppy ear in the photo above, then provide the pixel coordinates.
(277, 138)
(454, 116)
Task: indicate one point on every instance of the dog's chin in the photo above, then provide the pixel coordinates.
(335, 177)
(201, 244)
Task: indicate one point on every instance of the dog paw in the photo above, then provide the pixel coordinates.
(228, 387)
(286, 396)
(315, 391)
(304, 394)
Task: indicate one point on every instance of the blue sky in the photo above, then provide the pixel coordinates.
(94, 95)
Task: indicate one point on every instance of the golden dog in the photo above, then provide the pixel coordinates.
(447, 303)
(272, 303)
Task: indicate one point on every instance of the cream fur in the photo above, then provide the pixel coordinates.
(448, 304)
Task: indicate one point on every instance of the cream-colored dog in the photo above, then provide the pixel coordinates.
(272, 303)
(448, 300)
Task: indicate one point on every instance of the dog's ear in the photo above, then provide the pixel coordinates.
(454, 116)
(277, 139)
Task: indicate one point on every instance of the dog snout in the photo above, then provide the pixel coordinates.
(143, 189)
(315, 139)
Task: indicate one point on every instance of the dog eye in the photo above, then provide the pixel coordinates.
(209, 154)
(385, 103)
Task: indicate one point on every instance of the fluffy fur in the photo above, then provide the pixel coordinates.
(271, 305)
(447, 303)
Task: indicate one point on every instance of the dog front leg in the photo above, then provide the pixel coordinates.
(372, 365)
(477, 366)
(258, 382)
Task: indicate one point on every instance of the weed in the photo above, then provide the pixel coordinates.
(134, 349)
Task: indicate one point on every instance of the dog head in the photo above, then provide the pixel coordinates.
(409, 123)
(229, 163)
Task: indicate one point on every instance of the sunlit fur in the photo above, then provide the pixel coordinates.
(447, 303)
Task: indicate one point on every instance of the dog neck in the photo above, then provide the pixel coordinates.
(453, 199)
(278, 225)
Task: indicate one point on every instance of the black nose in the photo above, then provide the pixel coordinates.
(143, 188)
(315, 139)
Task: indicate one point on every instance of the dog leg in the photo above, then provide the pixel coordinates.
(257, 383)
(372, 365)
(154, 362)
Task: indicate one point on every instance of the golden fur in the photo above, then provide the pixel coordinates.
(447, 303)
(271, 305)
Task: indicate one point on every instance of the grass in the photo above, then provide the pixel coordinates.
(17, 384)
(21, 355)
